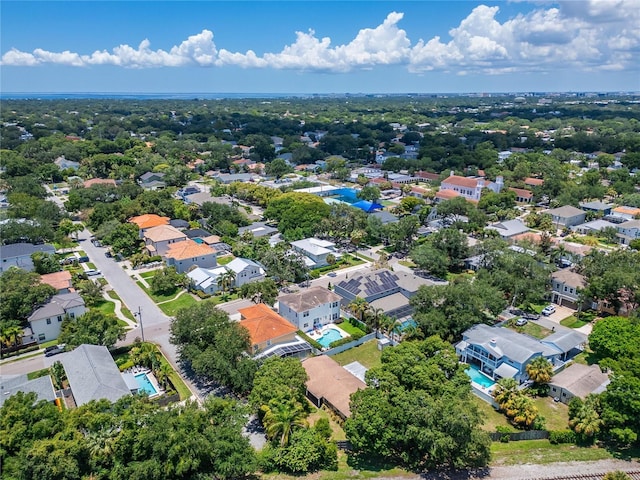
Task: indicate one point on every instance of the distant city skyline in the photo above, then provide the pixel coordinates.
(319, 47)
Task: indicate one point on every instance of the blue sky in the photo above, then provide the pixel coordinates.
(319, 46)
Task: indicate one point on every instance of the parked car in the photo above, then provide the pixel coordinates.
(54, 350)
(548, 310)
(332, 274)
(92, 273)
(83, 259)
(108, 254)
(515, 311)
(530, 316)
(521, 321)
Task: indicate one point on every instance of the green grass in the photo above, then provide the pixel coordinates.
(146, 275)
(183, 301)
(351, 261)
(177, 381)
(407, 263)
(556, 414)
(318, 413)
(50, 343)
(91, 265)
(367, 354)
(157, 298)
(533, 329)
(542, 452)
(493, 418)
(350, 329)
(225, 260)
(37, 374)
(125, 311)
(106, 307)
(573, 322)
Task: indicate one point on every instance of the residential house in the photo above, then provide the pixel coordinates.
(310, 308)
(566, 216)
(152, 181)
(185, 255)
(315, 251)
(179, 223)
(501, 352)
(41, 386)
(186, 191)
(565, 287)
(147, 221)
(93, 375)
(266, 328)
(158, 239)
(533, 182)
(597, 207)
(385, 217)
(61, 281)
(383, 289)
(578, 380)
(246, 271)
(522, 195)
(64, 164)
(626, 213)
(330, 384)
(509, 228)
(19, 255)
(201, 198)
(568, 341)
(470, 187)
(258, 229)
(45, 321)
(99, 181)
(227, 178)
(628, 231)
(592, 227)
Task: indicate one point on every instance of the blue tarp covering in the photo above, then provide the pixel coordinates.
(367, 206)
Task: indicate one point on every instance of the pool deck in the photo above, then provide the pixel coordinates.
(316, 334)
(150, 376)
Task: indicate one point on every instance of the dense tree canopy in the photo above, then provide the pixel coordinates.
(298, 214)
(214, 346)
(94, 327)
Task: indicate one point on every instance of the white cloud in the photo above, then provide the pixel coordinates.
(581, 35)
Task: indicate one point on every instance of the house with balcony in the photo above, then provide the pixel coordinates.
(46, 320)
(470, 187)
(628, 231)
(310, 308)
(266, 328)
(147, 221)
(245, 270)
(315, 251)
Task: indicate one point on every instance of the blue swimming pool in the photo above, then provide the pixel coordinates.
(145, 384)
(328, 336)
(479, 378)
(198, 240)
(402, 326)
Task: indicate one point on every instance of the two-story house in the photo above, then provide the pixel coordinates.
(61, 281)
(310, 308)
(147, 221)
(152, 181)
(566, 216)
(565, 287)
(628, 231)
(470, 187)
(187, 254)
(158, 239)
(315, 251)
(245, 270)
(45, 321)
(266, 328)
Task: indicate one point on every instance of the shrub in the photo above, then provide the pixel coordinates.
(124, 365)
(562, 436)
(202, 294)
(342, 341)
(310, 340)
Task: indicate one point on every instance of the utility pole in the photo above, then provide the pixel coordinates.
(138, 314)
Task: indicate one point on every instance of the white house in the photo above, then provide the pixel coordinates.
(565, 286)
(184, 255)
(45, 321)
(315, 251)
(470, 187)
(566, 216)
(245, 270)
(311, 308)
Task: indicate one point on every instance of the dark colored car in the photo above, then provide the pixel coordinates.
(54, 350)
(531, 316)
(108, 254)
(83, 259)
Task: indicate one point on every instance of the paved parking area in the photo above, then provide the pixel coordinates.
(560, 314)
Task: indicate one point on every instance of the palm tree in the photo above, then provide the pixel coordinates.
(226, 281)
(359, 307)
(10, 333)
(540, 370)
(506, 389)
(376, 314)
(145, 354)
(162, 373)
(587, 422)
(525, 411)
(281, 418)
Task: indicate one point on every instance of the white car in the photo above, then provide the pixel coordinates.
(548, 310)
(92, 273)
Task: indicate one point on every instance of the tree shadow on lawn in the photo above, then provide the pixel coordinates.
(204, 386)
(362, 462)
(622, 453)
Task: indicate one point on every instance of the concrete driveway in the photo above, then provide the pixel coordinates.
(561, 313)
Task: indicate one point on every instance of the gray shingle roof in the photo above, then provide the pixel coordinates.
(93, 374)
(565, 339)
(502, 342)
(22, 249)
(57, 305)
(12, 384)
(308, 298)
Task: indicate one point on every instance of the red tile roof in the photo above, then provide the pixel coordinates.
(522, 193)
(264, 324)
(58, 280)
(427, 175)
(98, 181)
(188, 249)
(535, 182)
(447, 194)
(149, 220)
(462, 181)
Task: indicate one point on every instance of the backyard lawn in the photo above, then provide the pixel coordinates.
(493, 418)
(533, 329)
(556, 414)
(318, 413)
(367, 354)
(225, 260)
(350, 329)
(542, 452)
